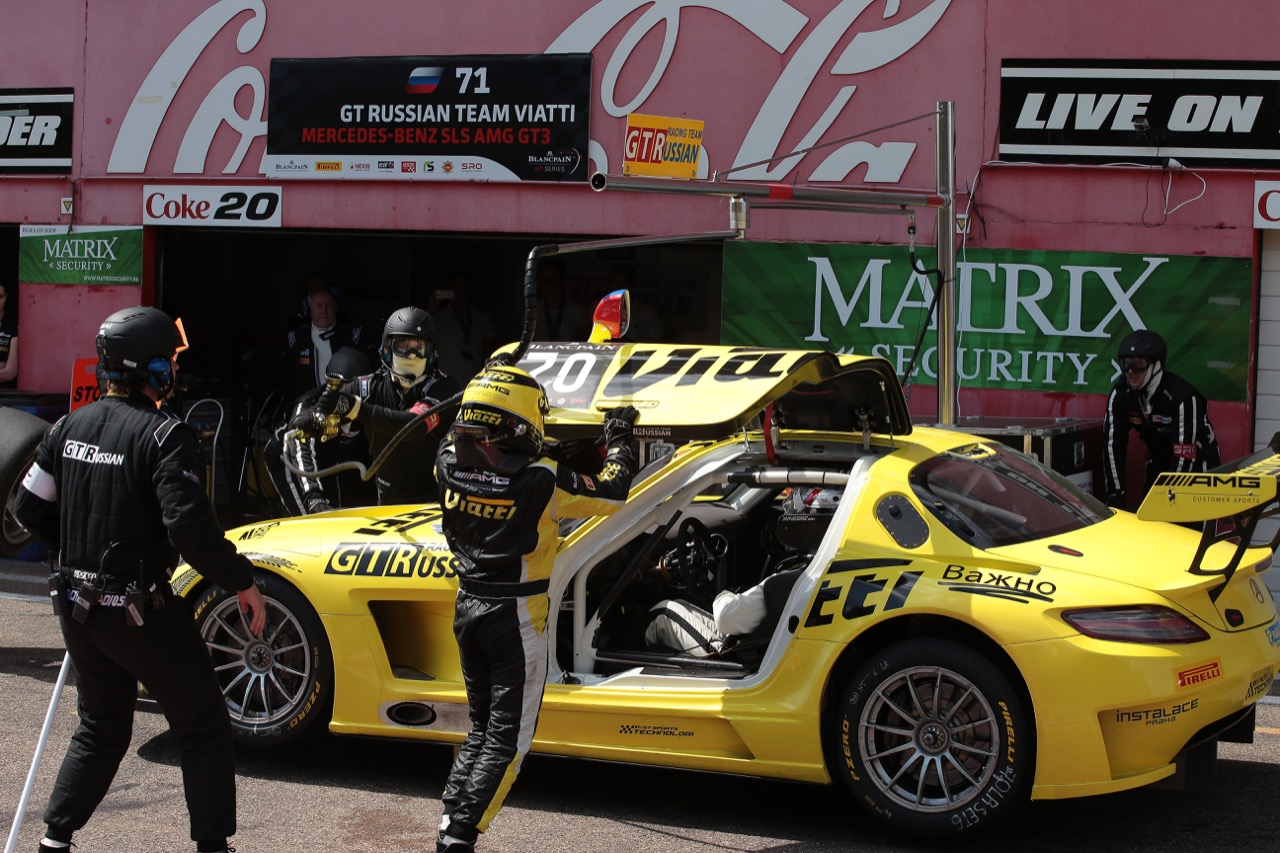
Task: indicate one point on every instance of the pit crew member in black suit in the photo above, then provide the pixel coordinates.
(1170, 415)
(115, 488)
(408, 383)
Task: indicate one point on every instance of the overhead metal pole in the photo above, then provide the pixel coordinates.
(775, 195)
(948, 408)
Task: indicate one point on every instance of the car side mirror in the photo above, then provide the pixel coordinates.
(612, 317)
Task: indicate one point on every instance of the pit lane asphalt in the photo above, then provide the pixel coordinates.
(359, 795)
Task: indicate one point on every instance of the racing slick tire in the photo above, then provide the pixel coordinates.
(20, 432)
(932, 739)
(278, 687)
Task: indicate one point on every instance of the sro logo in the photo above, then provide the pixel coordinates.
(212, 205)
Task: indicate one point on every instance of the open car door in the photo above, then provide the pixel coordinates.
(692, 392)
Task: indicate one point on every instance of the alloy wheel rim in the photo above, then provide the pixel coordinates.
(929, 739)
(263, 679)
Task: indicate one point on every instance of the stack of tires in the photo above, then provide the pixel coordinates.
(20, 432)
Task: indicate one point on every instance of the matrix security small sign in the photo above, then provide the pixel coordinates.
(81, 254)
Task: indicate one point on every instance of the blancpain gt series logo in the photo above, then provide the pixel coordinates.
(90, 453)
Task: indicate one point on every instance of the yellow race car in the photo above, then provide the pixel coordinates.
(967, 629)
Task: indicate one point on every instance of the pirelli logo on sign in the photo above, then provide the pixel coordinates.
(662, 147)
(1199, 674)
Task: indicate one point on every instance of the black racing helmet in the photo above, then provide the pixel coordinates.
(140, 341)
(408, 322)
(1143, 343)
(348, 362)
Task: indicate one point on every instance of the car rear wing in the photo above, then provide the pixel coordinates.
(1228, 502)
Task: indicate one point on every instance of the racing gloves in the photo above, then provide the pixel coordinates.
(618, 423)
(334, 401)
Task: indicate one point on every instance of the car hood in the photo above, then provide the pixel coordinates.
(1157, 557)
(389, 542)
(688, 393)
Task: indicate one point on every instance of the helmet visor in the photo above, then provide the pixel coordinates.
(408, 347)
(1135, 365)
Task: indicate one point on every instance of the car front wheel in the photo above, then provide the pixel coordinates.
(933, 739)
(279, 686)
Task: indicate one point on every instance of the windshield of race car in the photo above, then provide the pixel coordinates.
(991, 495)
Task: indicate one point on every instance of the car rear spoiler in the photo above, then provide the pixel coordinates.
(1228, 501)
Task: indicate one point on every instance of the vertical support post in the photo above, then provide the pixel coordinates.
(948, 409)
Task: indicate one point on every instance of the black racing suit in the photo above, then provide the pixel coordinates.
(408, 477)
(504, 531)
(302, 495)
(1172, 421)
(304, 363)
(116, 486)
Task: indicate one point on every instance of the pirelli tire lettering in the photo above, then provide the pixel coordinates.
(278, 687)
(932, 737)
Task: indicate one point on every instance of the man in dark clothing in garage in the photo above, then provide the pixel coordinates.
(502, 500)
(317, 338)
(115, 488)
(1170, 415)
(408, 383)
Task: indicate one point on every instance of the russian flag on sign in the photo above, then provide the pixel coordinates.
(423, 81)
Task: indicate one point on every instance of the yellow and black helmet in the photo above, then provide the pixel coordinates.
(503, 411)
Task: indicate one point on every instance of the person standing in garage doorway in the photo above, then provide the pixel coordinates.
(1170, 415)
(8, 336)
(465, 335)
(560, 317)
(313, 342)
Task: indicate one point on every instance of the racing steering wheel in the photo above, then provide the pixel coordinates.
(699, 553)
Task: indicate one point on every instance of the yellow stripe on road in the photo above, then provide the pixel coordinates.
(1267, 730)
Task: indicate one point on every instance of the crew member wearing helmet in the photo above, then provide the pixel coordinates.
(753, 613)
(408, 383)
(1170, 415)
(115, 487)
(302, 495)
(502, 501)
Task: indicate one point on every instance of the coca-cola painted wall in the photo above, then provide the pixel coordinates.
(176, 93)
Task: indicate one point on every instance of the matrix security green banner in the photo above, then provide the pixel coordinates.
(81, 254)
(1026, 320)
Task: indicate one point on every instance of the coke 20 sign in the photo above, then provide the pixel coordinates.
(216, 206)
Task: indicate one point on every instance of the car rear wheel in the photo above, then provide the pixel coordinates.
(933, 739)
(278, 687)
(20, 432)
